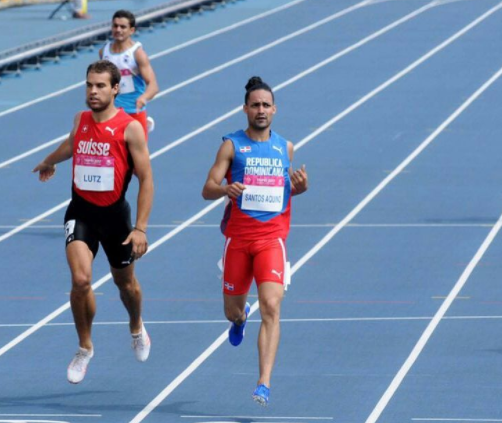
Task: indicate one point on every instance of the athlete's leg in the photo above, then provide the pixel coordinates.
(269, 264)
(130, 294)
(115, 230)
(81, 248)
(237, 279)
(82, 300)
(270, 295)
(235, 308)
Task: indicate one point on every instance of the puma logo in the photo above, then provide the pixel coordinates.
(275, 272)
(111, 130)
(279, 149)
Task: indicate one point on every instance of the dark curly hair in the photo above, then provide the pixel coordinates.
(105, 66)
(256, 83)
(125, 14)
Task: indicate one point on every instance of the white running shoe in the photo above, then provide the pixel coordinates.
(78, 366)
(141, 344)
(150, 124)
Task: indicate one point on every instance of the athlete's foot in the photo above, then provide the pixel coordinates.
(236, 332)
(261, 395)
(78, 366)
(141, 344)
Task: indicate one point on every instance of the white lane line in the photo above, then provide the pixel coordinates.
(163, 53)
(33, 151)
(306, 320)
(202, 76)
(34, 220)
(40, 99)
(279, 87)
(379, 408)
(314, 250)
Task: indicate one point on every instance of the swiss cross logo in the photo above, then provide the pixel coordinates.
(85, 128)
(246, 149)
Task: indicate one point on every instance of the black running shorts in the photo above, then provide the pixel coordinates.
(94, 225)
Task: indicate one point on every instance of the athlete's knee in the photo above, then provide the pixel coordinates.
(234, 313)
(128, 285)
(270, 307)
(81, 281)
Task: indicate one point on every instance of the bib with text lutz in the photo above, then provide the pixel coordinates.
(94, 168)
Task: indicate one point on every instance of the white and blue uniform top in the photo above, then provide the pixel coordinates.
(132, 84)
(263, 167)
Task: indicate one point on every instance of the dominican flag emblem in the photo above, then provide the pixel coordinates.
(246, 149)
(229, 286)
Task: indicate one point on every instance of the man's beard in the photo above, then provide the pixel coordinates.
(97, 109)
(260, 126)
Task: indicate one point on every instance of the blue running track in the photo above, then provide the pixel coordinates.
(393, 315)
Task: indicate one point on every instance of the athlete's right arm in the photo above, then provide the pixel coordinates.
(47, 167)
(212, 188)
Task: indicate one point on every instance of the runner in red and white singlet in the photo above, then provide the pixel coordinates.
(101, 159)
(260, 182)
(105, 144)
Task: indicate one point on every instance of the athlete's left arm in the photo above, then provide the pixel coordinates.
(299, 177)
(147, 73)
(135, 138)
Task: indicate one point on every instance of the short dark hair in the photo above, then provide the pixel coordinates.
(105, 66)
(125, 14)
(256, 83)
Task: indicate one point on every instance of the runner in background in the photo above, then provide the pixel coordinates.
(138, 84)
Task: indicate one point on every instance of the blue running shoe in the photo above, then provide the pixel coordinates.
(236, 332)
(261, 394)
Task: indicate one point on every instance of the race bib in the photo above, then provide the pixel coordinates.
(263, 193)
(94, 173)
(126, 82)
